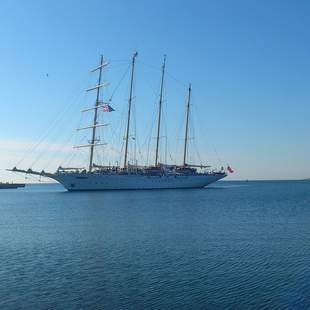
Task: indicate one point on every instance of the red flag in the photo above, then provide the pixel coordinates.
(229, 169)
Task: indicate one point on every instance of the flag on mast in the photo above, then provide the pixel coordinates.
(229, 169)
(107, 108)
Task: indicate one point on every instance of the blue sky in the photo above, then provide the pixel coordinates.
(248, 62)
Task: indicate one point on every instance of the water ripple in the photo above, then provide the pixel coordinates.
(246, 246)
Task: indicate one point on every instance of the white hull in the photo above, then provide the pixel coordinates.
(99, 181)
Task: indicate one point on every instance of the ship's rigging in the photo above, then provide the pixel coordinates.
(99, 104)
(183, 169)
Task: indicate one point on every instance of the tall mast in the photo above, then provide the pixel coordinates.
(159, 109)
(129, 107)
(92, 144)
(186, 126)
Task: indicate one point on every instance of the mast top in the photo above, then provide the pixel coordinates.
(164, 62)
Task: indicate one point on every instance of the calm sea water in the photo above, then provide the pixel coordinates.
(235, 245)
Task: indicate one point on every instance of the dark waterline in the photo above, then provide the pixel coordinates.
(234, 245)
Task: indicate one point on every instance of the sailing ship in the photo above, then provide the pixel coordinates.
(131, 176)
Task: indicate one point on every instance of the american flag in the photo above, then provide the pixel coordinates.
(107, 108)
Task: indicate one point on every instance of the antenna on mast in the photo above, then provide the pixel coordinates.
(186, 125)
(159, 109)
(129, 107)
